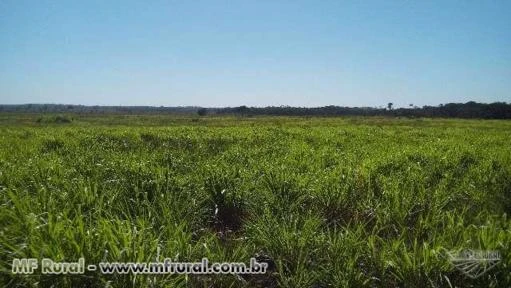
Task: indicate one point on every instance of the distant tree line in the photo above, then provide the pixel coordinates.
(497, 110)
(63, 108)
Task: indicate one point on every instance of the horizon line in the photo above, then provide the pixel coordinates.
(268, 106)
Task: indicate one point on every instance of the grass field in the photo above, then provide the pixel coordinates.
(327, 202)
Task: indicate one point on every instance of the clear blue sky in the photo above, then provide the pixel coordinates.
(255, 53)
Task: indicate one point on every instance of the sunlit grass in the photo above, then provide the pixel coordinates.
(329, 202)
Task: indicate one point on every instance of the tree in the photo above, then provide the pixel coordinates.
(389, 105)
(243, 110)
(202, 111)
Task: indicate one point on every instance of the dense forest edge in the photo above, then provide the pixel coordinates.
(497, 110)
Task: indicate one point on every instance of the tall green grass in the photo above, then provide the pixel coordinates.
(327, 202)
